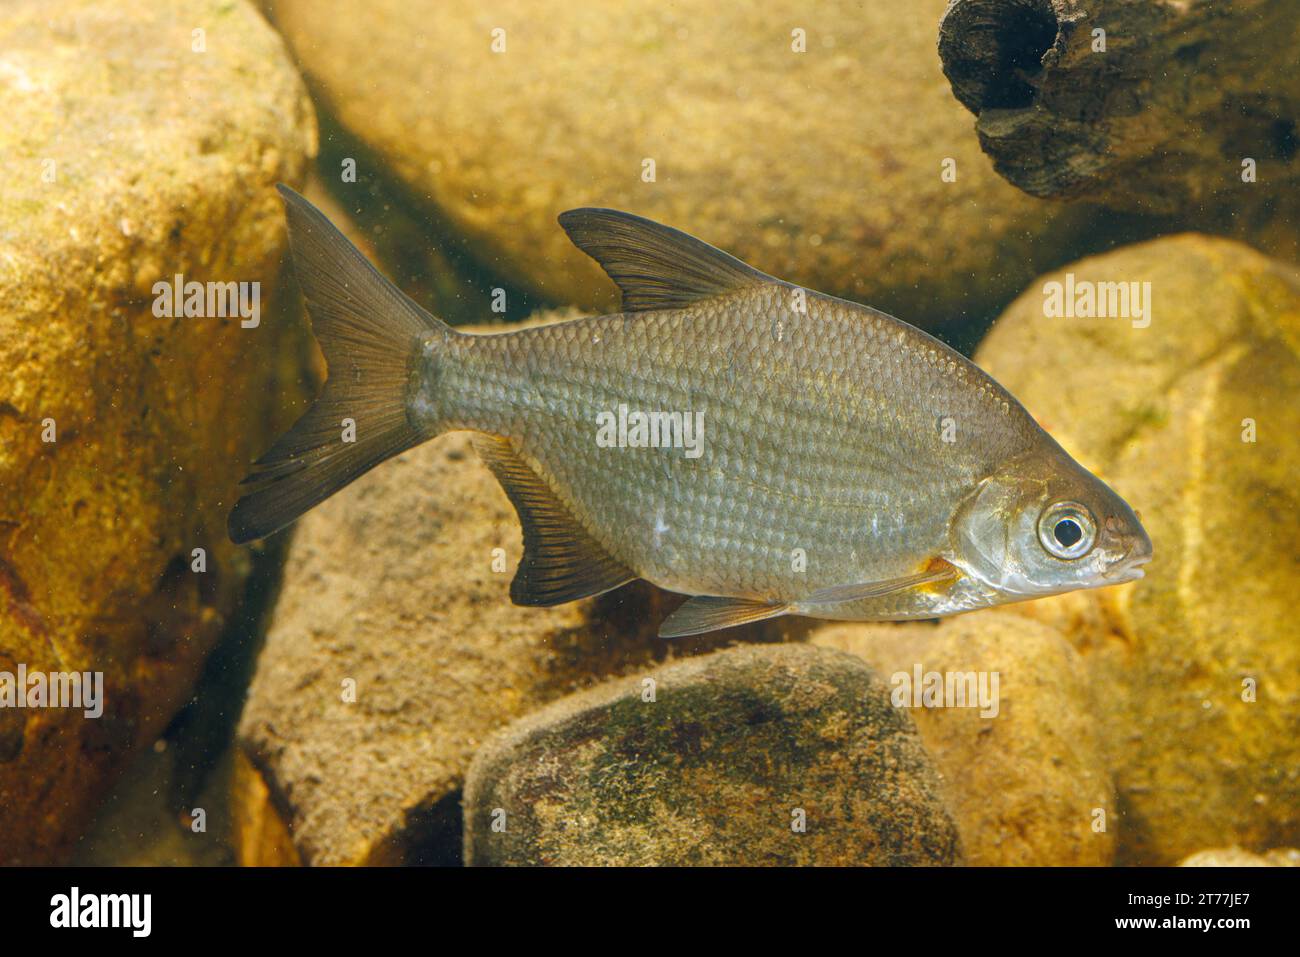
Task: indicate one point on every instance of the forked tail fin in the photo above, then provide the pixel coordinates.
(369, 331)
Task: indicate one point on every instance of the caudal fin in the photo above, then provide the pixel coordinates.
(368, 330)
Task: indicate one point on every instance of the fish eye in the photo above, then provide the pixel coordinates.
(1067, 530)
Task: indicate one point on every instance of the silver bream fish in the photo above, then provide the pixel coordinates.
(766, 449)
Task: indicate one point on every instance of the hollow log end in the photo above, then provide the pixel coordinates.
(992, 50)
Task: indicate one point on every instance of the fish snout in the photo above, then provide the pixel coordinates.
(1128, 567)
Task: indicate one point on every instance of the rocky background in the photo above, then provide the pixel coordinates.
(362, 691)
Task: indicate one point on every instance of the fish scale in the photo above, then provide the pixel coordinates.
(784, 464)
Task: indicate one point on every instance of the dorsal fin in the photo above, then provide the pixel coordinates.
(655, 266)
(561, 562)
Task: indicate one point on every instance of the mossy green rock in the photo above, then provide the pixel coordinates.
(129, 156)
(757, 755)
(1196, 668)
(823, 167)
(1026, 777)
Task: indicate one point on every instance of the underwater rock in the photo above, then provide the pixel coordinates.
(141, 141)
(394, 651)
(141, 823)
(760, 755)
(1185, 109)
(822, 167)
(261, 837)
(1189, 414)
(1023, 767)
(1239, 857)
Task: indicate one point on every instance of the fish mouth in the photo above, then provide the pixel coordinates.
(1127, 569)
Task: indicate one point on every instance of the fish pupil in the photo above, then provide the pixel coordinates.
(1067, 532)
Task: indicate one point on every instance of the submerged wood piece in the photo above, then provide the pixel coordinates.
(1158, 120)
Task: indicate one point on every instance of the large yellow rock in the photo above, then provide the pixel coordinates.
(1192, 418)
(823, 167)
(1237, 857)
(261, 837)
(1024, 769)
(129, 156)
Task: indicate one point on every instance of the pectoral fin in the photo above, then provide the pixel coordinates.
(709, 613)
(859, 591)
(561, 562)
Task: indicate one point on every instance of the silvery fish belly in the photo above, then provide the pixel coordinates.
(761, 447)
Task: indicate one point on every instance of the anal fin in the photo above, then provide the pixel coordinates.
(561, 562)
(709, 613)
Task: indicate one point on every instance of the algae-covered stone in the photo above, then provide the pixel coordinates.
(756, 755)
(1196, 668)
(394, 651)
(1239, 857)
(818, 142)
(140, 141)
(1014, 739)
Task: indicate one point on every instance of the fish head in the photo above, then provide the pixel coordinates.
(1042, 524)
